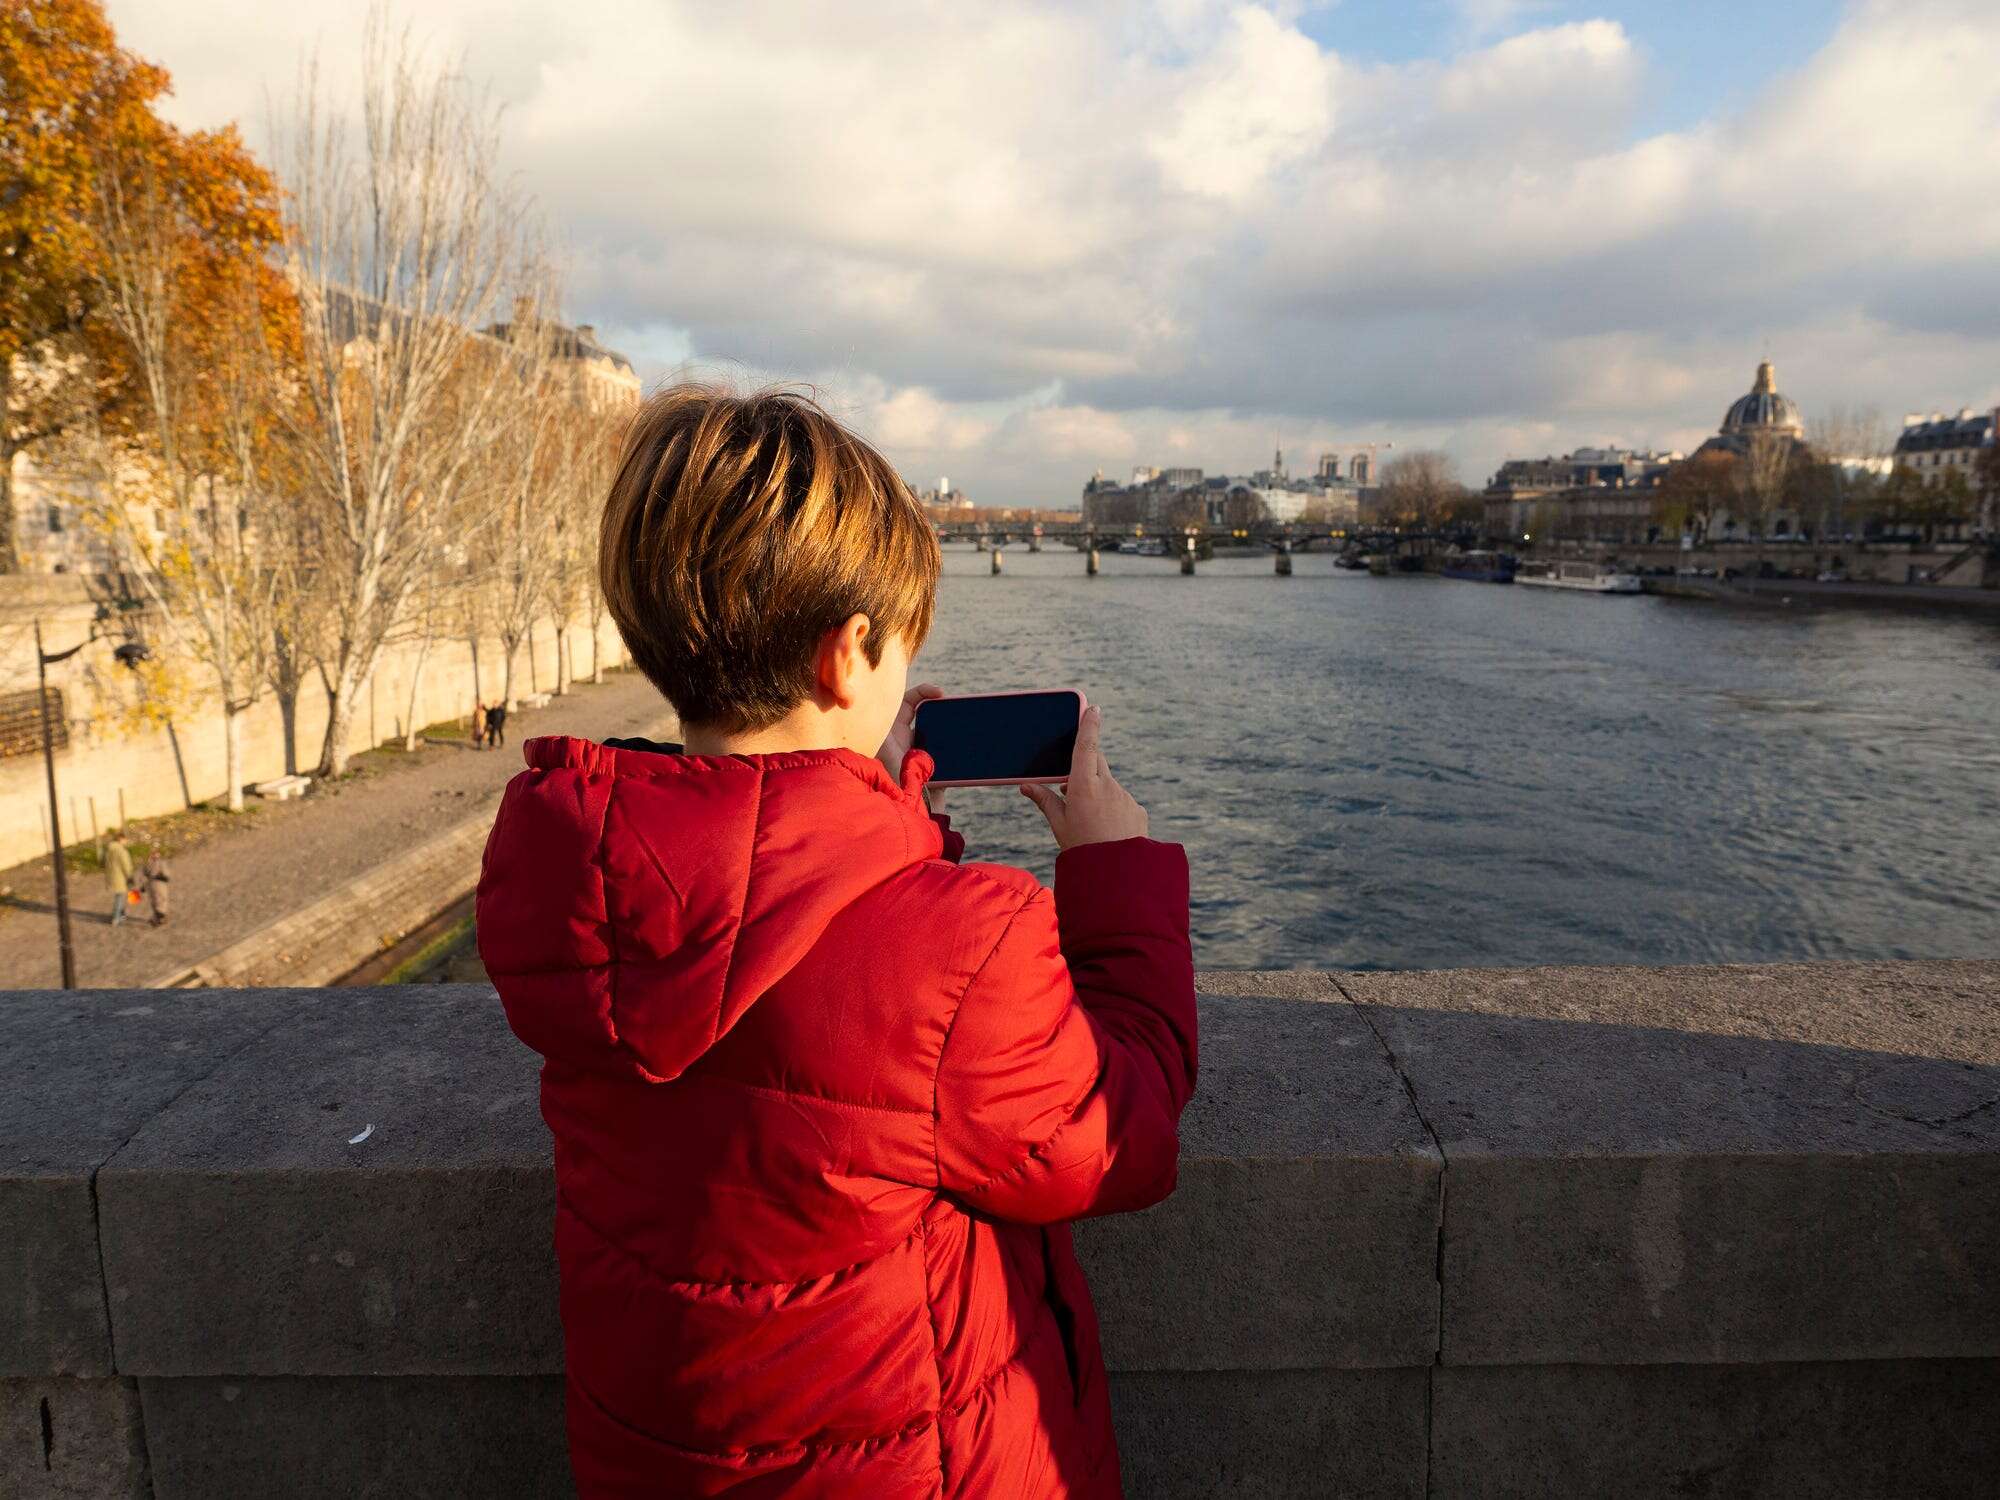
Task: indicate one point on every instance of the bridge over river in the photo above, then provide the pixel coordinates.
(1191, 542)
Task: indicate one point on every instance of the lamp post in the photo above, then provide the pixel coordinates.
(130, 655)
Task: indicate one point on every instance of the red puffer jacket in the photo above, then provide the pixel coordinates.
(823, 1101)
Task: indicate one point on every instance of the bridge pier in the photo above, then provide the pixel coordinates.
(1090, 561)
(1034, 544)
(996, 562)
(1283, 565)
(1187, 559)
(979, 544)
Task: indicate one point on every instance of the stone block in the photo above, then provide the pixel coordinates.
(1640, 1194)
(1919, 1429)
(1271, 1434)
(1304, 1231)
(358, 1438)
(65, 1439)
(85, 1070)
(246, 1231)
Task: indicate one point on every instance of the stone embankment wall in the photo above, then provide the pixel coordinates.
(1556, 1232)
(160, 770)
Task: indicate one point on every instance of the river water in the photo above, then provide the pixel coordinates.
(1420, 773)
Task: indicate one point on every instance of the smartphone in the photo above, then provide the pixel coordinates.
(1000, 739)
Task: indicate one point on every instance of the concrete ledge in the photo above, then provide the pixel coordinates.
(1559, 1231)
(63, 1439)
(1301, 1128)
(1918, 1429)
(422, 1249)
(332, 1439)
(1622, 1193)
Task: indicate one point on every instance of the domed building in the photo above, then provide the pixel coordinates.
(1764, 416)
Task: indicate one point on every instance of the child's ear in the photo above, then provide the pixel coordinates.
(843, 662)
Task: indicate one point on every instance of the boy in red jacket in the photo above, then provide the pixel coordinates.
(823, 1099)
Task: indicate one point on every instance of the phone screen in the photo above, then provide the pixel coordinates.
(1001, 737)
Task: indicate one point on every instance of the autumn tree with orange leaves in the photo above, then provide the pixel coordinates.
(65, 87)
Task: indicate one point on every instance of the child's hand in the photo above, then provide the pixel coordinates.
(1093, 808)
(897, 745)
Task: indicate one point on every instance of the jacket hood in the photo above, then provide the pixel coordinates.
(634, 903)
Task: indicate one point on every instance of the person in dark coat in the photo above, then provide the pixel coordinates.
(496, 725)
(158, 879)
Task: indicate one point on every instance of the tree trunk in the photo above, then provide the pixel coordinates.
(288, 714)
(596, 655)
(416, 679)
(534, 667)
(562, 658)
(507, 673)
(478, 687)
(232, 751)
(343, 700)
(10, 557)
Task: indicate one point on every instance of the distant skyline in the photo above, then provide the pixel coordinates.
(1018, 242)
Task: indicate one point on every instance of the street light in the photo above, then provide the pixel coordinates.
(126, 654)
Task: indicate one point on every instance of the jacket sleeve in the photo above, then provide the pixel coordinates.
(1072, 1052)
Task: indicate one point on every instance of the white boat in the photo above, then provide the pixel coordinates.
(1587, 577)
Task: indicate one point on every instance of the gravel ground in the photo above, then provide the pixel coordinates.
(247, 876)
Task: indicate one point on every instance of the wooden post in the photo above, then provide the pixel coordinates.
(996, 562)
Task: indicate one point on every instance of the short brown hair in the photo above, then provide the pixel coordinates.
(738, 532)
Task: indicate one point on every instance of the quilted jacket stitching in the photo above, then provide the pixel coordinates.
(742, 914)
(566, 1205)
(937, 1116)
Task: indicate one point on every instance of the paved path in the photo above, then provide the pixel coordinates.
(245, 878)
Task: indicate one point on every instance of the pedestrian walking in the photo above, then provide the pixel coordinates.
(496, 724)
(479, 726)
(118, 876)
(157, 881)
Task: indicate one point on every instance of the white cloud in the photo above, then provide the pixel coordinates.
(1020, 241)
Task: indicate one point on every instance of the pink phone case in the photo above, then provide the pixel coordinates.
(1081, 704)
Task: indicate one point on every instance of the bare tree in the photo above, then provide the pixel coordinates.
(399, 255)
(1764, 476)
(1421, 489)
(1844, 439)
(522, 472)
(600, 462)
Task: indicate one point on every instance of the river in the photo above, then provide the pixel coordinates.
(1421, 773)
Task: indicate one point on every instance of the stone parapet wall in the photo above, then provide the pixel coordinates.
(1638, 1232)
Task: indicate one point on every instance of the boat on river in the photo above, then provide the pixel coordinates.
(1584, 577)
(1478, 567)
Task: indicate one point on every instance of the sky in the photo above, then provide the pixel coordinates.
(1017, 243)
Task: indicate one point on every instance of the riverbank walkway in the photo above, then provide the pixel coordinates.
(285, 855)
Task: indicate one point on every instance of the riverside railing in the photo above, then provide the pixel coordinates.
(1727, 1231)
